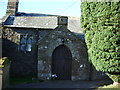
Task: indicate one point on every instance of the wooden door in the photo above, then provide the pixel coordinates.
(62, 63)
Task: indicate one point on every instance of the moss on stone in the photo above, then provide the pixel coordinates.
(4, 61)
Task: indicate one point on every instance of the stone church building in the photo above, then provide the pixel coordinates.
(45, 46)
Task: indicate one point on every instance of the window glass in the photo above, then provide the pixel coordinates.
(29, 44)
(26, 43)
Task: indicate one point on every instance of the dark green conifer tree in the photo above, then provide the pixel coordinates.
(101, 25)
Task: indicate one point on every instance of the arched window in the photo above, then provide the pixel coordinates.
(29, 44)
(23, 43)
(26, 43)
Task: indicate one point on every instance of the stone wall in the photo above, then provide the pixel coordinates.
(12, 7)
(0, 40)
(80, 65)
(22, 63)
(4, 73)
(39, 60)
(5, 77)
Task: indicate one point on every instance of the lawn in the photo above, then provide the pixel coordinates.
(23, 80)
(110, 87)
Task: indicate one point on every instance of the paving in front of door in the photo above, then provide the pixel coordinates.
(64, 84)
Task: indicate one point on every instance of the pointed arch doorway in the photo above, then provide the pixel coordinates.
(62, 63)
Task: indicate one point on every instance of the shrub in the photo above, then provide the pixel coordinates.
(101, 24)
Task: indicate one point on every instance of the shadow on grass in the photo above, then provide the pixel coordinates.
(24, 80)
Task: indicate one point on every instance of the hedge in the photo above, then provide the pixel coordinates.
(101, 24)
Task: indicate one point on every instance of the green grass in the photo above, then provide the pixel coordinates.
(110, 87)
(23, 80)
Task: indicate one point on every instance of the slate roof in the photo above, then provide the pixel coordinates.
(32, 14)
(48, 22)
(42, 21)
(33, 20)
